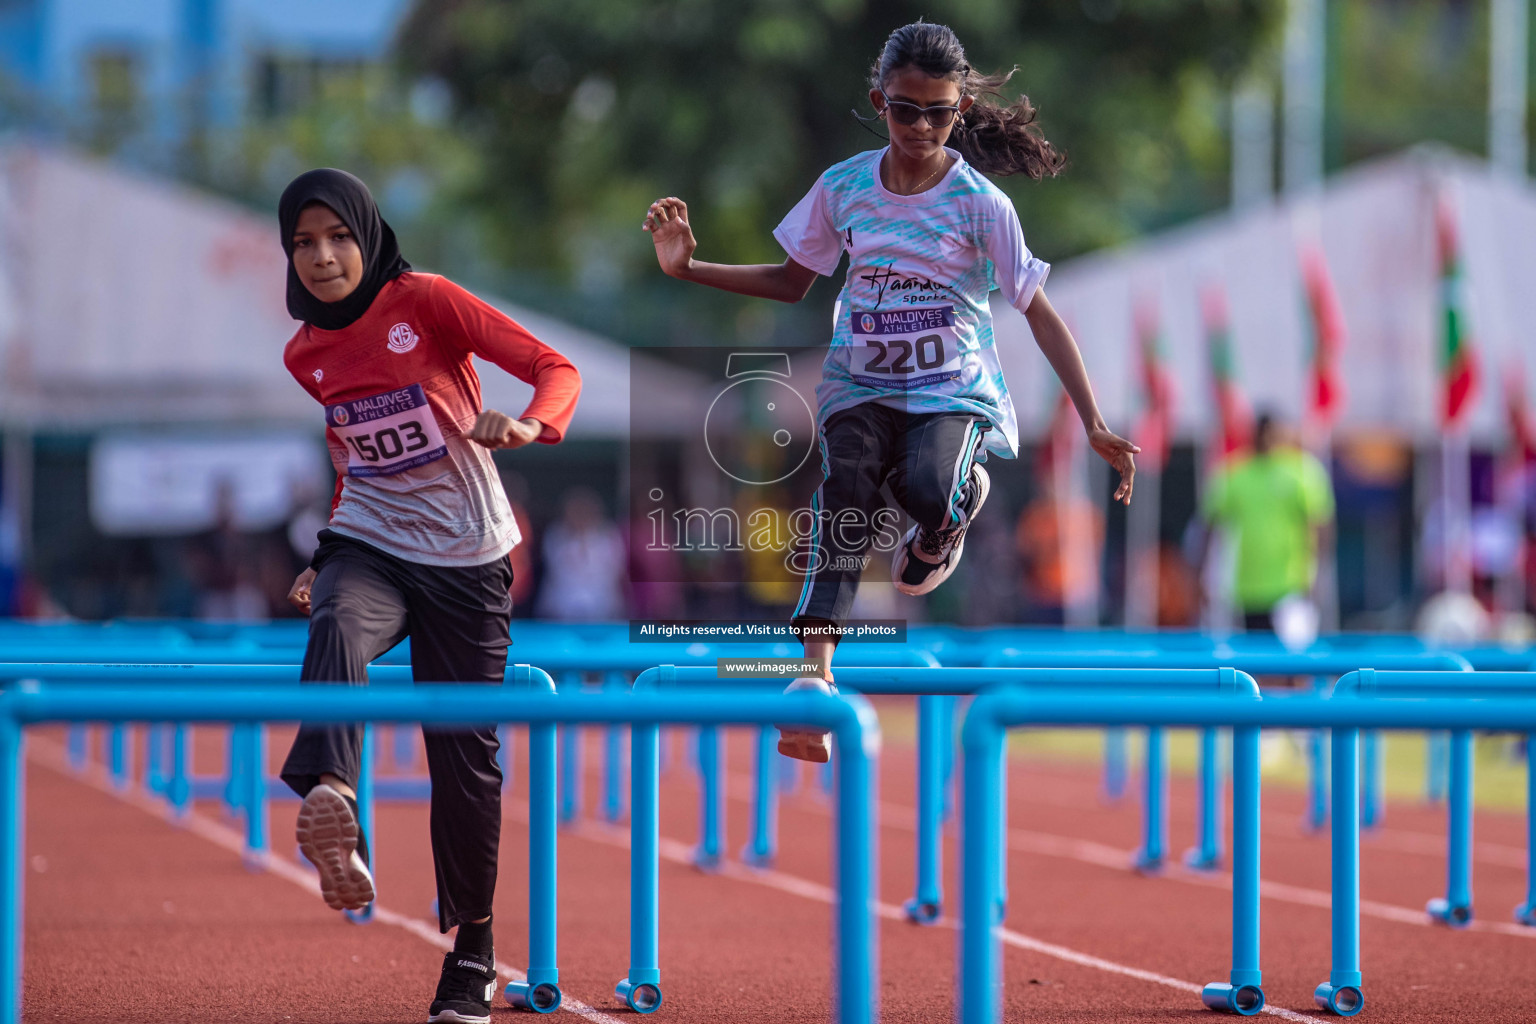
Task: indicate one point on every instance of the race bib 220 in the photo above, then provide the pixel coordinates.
(901, 349)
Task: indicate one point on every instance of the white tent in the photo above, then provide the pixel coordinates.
(124, 300)
(1376, 226)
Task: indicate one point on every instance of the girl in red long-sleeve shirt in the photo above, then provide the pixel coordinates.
(418, 539)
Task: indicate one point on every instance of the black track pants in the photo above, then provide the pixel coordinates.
(925, 458)
(364, 602)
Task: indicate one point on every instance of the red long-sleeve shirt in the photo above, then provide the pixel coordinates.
(401, 394)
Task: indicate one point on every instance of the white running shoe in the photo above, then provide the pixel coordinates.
(327, 831)
(798, 741)
(926, 557)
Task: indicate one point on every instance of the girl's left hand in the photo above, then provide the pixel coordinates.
(498, 430)
(1118, 452)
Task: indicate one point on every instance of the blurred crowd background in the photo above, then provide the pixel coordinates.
(1313, 209)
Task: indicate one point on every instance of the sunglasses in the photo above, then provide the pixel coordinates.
(909, 113)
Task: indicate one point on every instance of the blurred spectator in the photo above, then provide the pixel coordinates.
(583, 563)
(225, 566)
(1059, 544)
(1277, 503)
(522, 555)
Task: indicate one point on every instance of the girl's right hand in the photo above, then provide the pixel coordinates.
(298, 594)
(667, 221)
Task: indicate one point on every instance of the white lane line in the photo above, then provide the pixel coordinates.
(680, 852)
(52, 755)
(1113, 858)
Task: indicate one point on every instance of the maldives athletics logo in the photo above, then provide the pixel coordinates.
(402, 339)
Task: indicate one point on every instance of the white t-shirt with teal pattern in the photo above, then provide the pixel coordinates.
(912, 328)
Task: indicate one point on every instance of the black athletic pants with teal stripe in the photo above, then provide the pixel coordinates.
(365, 601)
(926, 460)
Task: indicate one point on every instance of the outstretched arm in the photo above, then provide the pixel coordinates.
(667, 221)
(1061, 352)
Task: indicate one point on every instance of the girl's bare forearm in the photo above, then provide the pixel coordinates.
(1061, 351)
(783, 282)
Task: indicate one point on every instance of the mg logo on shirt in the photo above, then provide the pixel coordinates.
(402, 339)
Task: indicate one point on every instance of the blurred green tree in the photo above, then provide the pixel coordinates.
(583, 111)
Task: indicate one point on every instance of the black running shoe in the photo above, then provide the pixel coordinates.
(329, 838)
(464, 991)
(926, 557)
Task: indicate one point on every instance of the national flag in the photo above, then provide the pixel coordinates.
(1234, 426)
(1325, 327)
(1522, 428)
(1155, 431)
(1458, 358)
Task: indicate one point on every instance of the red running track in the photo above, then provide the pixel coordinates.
(133, 918)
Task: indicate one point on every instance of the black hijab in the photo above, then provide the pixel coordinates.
(351, 201)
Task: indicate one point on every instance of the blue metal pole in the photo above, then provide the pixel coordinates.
(1154, 846)
(981, 834)
(541, 992)
(859, 965)
(1243, 992)
(121, 746)
(1434, 767)
(1207, 851)
(1114, 763)
(613, 757)
(12, 849)
(641, 987)
(154, 758)
(1526, 912)
(78, 745)
(1317, 786)
(405, 746)
(235, 757)
(256, 845)
(504, 754)
(789, 776)
(924, 907)
(706, 855)
(569, 773)
(570, 758)
(367, 790)
(1456, 908)
(179, 789)
(1341, 993)
(1372, 807)
(762, 847)
(949, 706)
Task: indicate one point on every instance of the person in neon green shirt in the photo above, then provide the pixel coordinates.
(1277, 504)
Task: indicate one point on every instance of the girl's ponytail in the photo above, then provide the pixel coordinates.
(994, 137)
(1003, 139)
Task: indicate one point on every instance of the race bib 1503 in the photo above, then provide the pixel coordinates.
(387, 433)
(905, 348)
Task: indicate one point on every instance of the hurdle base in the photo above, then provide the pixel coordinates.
(540, 997)
(1202, 860)
(641, 996)
(753, 858)
(706, 860)
(921, 911)
(1149, 863)
(1454, 916)
(1223, 997)
(364, 916)
(1344, 1000)
(1525, 913)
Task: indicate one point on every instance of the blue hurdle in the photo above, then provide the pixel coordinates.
(1455, 907)
(849, 719)
(993, 713)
